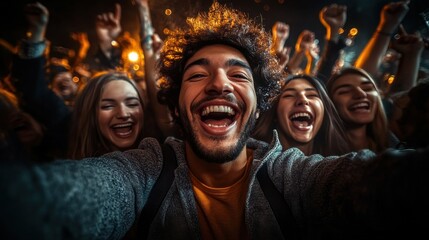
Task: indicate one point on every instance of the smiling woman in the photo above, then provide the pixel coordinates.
(108, 116)
(359, 103)
(305, 118)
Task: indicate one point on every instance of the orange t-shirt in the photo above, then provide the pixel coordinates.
(221, 210)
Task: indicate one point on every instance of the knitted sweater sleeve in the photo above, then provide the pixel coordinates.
(96, 198)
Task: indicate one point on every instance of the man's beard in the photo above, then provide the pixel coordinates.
(210, 155)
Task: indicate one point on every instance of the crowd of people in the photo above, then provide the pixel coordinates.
(82, 139)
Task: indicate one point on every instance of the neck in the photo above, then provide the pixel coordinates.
(358, 138)
(216, 174)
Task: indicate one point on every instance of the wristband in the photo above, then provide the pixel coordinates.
(30, 50)
(147, 42)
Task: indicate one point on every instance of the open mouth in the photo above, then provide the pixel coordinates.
(25, 131)
(123, 129)
(21, 127)
(20, 124)
(218, 116)
(358, 107)
(302, 120)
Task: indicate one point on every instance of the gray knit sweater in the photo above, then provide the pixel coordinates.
(101, 198)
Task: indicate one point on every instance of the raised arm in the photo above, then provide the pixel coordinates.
(411, 47)
(29, 79)
(280, 32)
(108, 27)
(151, 44)
(303, 45)
(333, 18)
(372, 55)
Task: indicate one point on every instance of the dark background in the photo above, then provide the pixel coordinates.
(68, 16)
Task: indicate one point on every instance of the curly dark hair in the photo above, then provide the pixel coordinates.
(220, 25)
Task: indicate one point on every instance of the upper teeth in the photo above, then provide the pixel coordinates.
(360, 105)
(301, 114)
(221, 109)
(122, 125)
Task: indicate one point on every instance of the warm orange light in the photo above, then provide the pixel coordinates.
(133, 56)
(353, 32)
(114, 43)
(391, 79)
(166, 31)
(168, 12)
(341, 31)
(76, 79)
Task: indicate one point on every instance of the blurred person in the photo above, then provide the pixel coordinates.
(20, 133)
(412, 123)
(61, 82)
(29, 79)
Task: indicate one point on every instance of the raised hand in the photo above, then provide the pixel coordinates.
(108, 25)
(305, 41)
(37, 17)
(280, 32)
(333, 17)
(407, 43)
(392, 15)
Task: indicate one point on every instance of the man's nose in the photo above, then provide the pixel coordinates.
(219, 84)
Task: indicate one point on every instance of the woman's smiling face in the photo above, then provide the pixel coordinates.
(300, 112)
(120, 114)
(355, 98)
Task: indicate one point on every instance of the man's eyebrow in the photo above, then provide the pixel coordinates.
(230, 62)
(239, 63)
(201, 61)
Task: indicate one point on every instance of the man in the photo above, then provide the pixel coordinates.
(217, 76)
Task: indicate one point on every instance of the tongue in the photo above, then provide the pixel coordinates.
(221, 122)
(300, 124)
